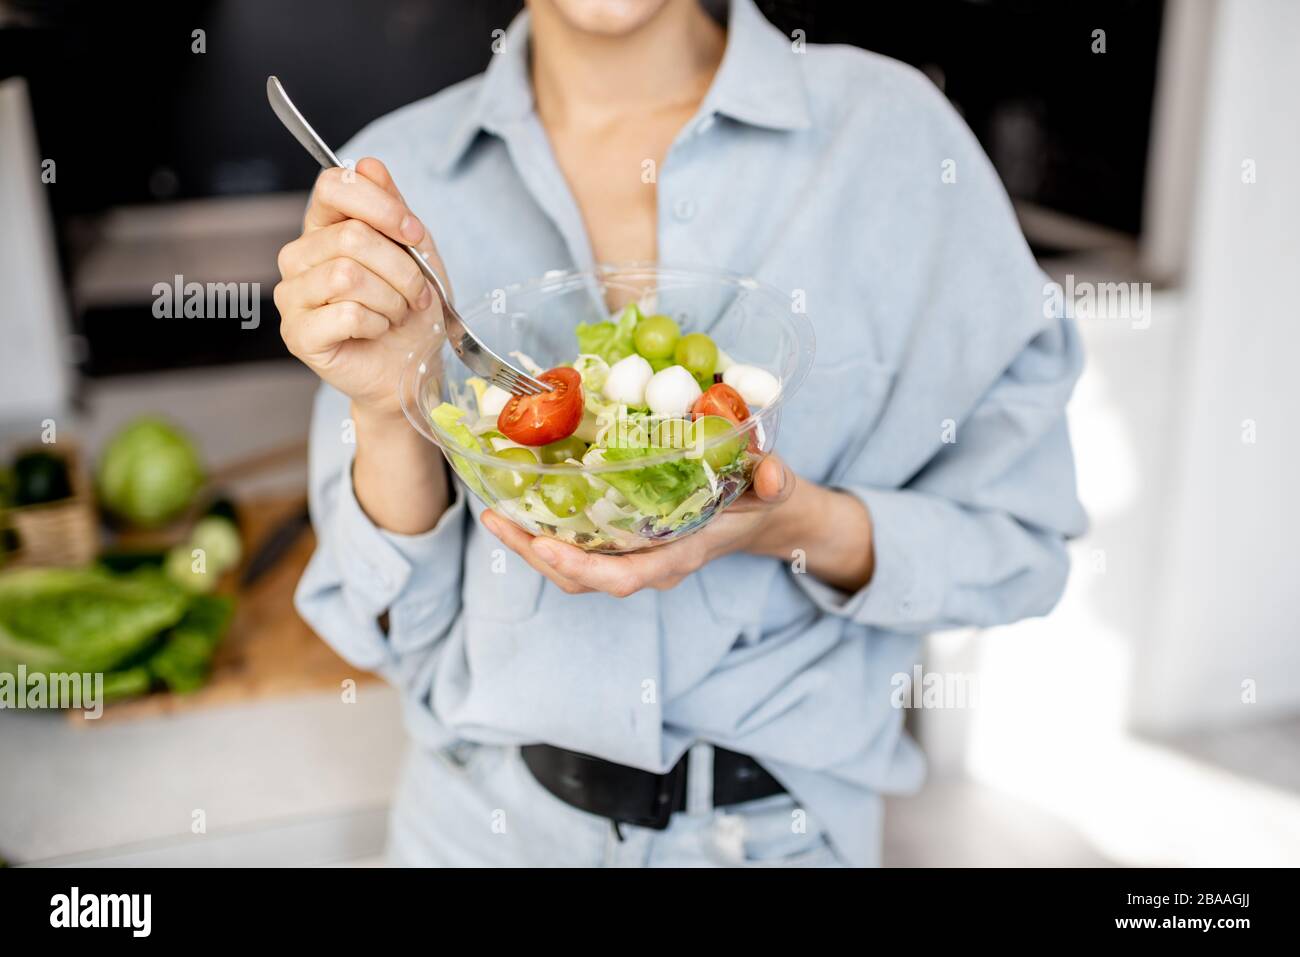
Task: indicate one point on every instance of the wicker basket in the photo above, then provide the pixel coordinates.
(65, 532)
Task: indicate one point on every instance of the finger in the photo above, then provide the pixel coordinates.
(353, 239)
(665, 566)
(345, 194)
(377, 173)
(319, 330)
(345, 279)
(749, 502)
(620, 575)
(519, 542)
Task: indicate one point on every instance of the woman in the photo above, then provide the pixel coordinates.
(727, 698)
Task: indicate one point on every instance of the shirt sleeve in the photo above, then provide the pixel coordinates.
(967, 473)
(360, 572)
(978, 536)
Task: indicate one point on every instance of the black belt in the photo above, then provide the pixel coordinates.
(631, 796)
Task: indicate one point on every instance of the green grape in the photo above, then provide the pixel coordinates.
(557, 452)
(722, 454)
(698, 355)
(656, 336)
(506, 482)
(564, 495)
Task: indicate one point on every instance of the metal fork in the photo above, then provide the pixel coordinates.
(471, 350)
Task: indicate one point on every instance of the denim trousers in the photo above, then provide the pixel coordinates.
(478, 805)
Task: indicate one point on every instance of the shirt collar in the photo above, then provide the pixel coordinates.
(759, 82)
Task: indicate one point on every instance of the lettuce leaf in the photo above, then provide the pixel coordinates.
(185, 659)
(76, 620)
(137, 628)
(593, 370)
(654, 489)
(451, 419)
(610, 340)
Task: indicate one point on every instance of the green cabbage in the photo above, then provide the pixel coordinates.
(149, 473)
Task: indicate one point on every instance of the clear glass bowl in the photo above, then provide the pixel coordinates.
(752, 322)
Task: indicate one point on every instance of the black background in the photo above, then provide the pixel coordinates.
(132, 116)
(921, 911)
(118, 95)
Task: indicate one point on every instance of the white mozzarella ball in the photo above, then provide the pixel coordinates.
(672, 391)
(627, 380)
(756, 386)
(493, 400)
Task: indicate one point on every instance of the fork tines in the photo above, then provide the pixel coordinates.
(518, 383)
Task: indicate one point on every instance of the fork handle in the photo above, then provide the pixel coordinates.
(432, 275)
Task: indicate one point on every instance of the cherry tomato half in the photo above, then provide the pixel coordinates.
(721, 399)
(549, 417)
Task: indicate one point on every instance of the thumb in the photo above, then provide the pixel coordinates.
(773, 480)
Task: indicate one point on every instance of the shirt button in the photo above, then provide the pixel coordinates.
(684, 210)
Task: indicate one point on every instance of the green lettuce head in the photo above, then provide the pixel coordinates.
(149, 473)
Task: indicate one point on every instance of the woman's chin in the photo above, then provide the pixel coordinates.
(608, 18)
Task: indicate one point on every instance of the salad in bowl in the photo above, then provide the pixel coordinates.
(659, 412)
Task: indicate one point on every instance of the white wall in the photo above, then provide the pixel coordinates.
(34, 380)
(1227, 605)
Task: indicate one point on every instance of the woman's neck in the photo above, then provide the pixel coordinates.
(594, 80)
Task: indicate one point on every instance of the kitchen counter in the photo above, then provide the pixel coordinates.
(298, 780)
(284, 770)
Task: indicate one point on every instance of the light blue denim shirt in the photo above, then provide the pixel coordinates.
(937, 397)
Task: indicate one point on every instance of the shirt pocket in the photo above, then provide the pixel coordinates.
(828, 421)
(499, 586)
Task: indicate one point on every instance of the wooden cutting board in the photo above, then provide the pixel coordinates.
(269, 651)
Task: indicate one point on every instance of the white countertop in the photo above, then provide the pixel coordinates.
(296, 781)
